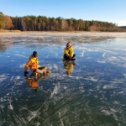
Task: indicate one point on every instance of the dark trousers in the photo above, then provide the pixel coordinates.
(68, 58)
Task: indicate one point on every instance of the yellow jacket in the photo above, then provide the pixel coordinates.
(32, 64)
(69, 52)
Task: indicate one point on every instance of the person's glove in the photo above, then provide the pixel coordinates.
(25, 73)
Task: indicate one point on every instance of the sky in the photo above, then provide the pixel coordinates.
(102, 10)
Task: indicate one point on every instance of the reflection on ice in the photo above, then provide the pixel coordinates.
(90, 91)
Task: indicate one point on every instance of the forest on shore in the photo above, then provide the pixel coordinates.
(43, 23)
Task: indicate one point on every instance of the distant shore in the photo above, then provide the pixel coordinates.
(63, 34)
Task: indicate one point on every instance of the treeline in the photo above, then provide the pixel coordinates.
(5, 22)
(42, 23)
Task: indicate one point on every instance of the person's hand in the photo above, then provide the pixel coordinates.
(25, 73)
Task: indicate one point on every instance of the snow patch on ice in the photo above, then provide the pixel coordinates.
(3, 77)
(82, 53)
(21, 65)
(110, 112)
(10, 107)
(55, 90)
(32, 115)
(91, 79)
(106, 87)
(18, 77)
(101, 61)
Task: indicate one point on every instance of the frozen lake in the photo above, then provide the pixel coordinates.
(93, 94)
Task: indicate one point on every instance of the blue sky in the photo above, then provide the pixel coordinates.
(103, 10)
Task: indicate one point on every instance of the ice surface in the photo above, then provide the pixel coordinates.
(95, 90)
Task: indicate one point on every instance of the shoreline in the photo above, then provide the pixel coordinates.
(63, 34)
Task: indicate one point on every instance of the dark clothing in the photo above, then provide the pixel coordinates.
(68, 58)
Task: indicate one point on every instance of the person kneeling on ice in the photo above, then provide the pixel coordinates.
(69, 52)
(33, 64)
